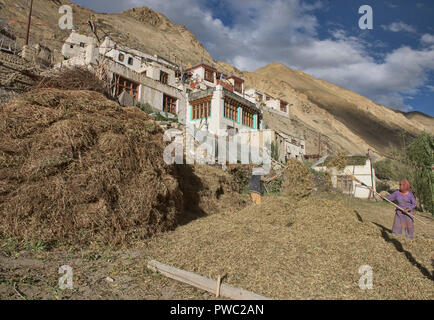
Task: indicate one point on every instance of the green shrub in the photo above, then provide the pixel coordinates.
(275, 151)
(421, 152)
(145, 107)
(391, 170)
(383, 186)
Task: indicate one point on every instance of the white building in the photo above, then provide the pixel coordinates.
(75, 45)
(218, 108)
(263, 99)
(149, 79)
(358, 165)
(289, 146)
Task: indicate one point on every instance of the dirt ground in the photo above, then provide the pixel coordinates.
(32, 272)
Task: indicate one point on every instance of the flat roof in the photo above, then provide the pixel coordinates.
(236, 78)
(205, 66)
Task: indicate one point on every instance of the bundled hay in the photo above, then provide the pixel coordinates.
(343, 159)
(297, 180)
(76, 78)
(340, 161)
(76, 167)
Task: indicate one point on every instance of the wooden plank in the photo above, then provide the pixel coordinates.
(203, 282)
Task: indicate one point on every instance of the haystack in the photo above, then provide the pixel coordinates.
(75, 167)
(297, 180)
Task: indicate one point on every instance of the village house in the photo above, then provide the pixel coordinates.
(75, 45)
(214, 102)
(289, 146)
(358, 165)
(263, 99)
(148, 79)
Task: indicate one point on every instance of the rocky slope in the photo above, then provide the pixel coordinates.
(344, 119)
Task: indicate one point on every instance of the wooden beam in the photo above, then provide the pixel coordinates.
(203, 283)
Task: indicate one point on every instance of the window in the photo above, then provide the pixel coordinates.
(231, 109)
(121, 57)
(130, 61)
(267, 98)
(169, 104)
(164, 77)
(209, 75)
(282, 106)
(345, 184)
(201, 108)
(71, 46)
(238, 87)
(259, 97)
(82, 44)
(123, 84)
(248, 117)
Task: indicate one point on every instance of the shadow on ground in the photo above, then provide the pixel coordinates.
(191, 185)
(385, 233)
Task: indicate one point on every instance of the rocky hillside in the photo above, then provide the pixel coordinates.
(344, 119)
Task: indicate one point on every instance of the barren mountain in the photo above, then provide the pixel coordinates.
(320, 111)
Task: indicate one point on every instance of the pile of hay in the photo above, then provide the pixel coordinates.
(310, 249)
(75, 167)
(208, 190)
(296, 180)
(75, 78)
(340, 161)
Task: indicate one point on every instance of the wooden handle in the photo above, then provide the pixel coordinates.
(398, 207)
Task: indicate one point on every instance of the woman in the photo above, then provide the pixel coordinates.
(405, 199)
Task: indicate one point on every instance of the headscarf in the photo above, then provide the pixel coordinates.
(404, 186)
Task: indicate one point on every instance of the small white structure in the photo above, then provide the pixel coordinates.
(358, 165)
(76, 44)
(204, 74)
(289, 146)
(263, 99)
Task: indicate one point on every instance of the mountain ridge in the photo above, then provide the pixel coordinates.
(342, 118)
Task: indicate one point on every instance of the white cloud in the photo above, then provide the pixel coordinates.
(398, 27)
(286, 31)
(427, 39)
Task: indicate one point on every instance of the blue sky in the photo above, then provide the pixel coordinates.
(392, 64)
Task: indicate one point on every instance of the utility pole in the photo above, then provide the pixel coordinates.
(29, 22)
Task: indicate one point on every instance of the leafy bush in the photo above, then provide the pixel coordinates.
(275, 151)
(383, 186)
(145, 107)
(391, 170)
(421, 152)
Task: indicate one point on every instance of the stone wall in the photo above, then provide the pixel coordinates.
(13, 79)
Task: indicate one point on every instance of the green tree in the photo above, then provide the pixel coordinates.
(421, 152)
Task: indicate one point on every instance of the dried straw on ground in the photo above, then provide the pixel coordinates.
(310, 249)
(76, 167)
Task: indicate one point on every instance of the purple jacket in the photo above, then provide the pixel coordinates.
(405, 201)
